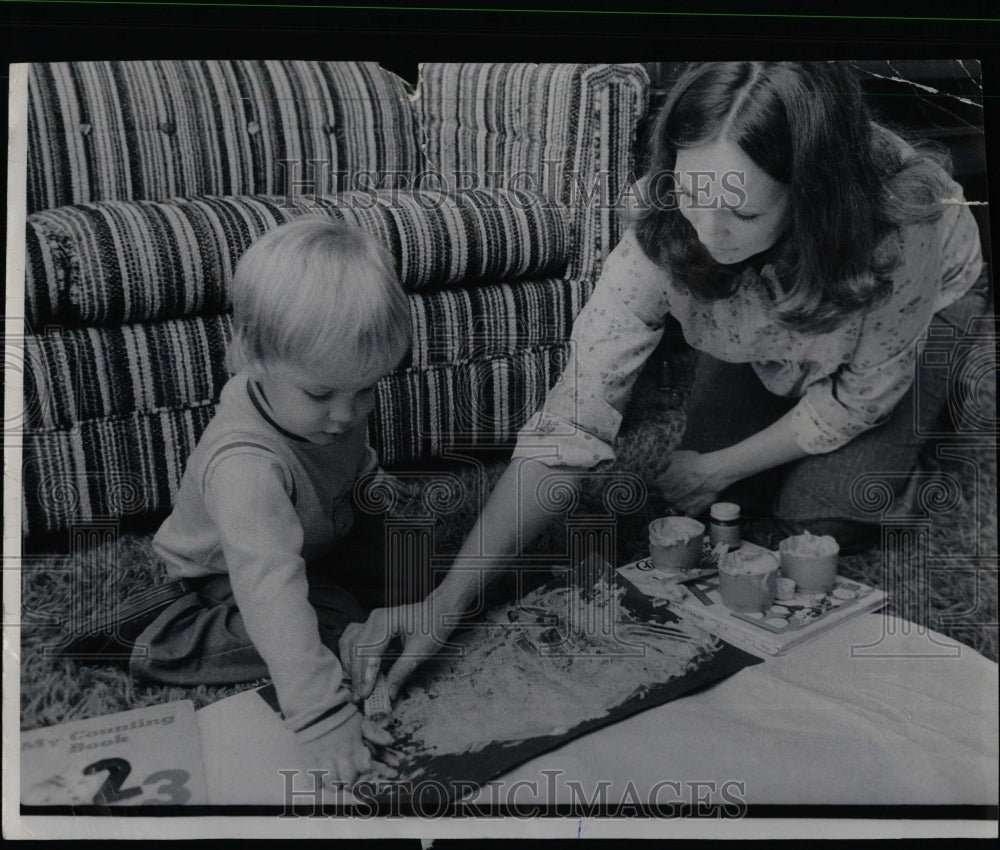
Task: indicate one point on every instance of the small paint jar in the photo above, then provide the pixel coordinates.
(724, 524)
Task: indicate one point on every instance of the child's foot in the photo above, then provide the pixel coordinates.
(109, 637)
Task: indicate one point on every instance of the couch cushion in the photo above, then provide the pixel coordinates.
(81, 375)
(128, 261)
(131, 464)
(160, 129)
(463, 322)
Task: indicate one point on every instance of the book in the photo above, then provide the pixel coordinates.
(252, 758)
(788, 624)
(144, 757)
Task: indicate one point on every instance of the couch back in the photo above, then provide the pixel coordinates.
(147, 180)
(101, 131)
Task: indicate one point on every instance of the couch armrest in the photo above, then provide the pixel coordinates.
(565, 130)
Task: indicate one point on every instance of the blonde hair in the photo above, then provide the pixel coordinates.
(315, 291)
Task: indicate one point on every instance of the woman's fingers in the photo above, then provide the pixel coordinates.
(375, 733)
(361, 648)
(416, 651)
(369, 673)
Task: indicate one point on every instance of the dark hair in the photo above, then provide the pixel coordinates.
(851, 185)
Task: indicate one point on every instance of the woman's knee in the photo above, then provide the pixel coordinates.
(728, 403)
(852, 535)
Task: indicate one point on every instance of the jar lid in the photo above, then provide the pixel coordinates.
(725, 511)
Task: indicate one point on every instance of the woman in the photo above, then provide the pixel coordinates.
(804, 251)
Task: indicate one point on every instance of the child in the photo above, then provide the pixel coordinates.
(319, 317)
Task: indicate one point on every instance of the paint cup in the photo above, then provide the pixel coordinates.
(675, 543)
(810, 561)
(748, 579)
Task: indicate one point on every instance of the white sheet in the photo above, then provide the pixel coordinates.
(874, 713)
(877, 712)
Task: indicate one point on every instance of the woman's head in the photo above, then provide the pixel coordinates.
(787, 158)
(319, 294)
(734, 207)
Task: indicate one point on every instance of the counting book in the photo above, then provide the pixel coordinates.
(144, 757)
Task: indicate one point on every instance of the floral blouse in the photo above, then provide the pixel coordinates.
(847, 380)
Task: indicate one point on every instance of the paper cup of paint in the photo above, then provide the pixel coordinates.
(810, 561)
(675, 543)
(748, 580)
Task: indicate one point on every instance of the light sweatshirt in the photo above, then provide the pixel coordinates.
(257, 503)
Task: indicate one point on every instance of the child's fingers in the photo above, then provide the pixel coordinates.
(368, 676)
(357, 665)
(361, 648)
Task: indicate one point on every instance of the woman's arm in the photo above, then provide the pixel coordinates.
(613, 336)
(513, 516)
(693, 481)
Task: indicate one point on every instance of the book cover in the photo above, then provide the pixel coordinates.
(251, 758)
(786, 625)
(143, 757)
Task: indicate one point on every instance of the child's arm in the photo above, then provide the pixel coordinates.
(245, 491)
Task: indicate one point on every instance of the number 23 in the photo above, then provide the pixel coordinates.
(118, 769)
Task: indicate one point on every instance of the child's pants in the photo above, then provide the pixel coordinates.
(201, 639)
(823, 493)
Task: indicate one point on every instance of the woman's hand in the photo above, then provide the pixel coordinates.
(363, 645)
(692, 482)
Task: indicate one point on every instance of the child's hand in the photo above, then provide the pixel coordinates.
(342, 751)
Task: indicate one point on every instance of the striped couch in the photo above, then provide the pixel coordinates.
(495, 186)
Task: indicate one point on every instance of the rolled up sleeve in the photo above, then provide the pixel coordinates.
(838, 408)
(612, 338)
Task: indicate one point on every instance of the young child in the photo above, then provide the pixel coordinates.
(319, 317)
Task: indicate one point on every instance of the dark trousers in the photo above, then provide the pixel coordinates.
(845, 492)
(201, 638)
